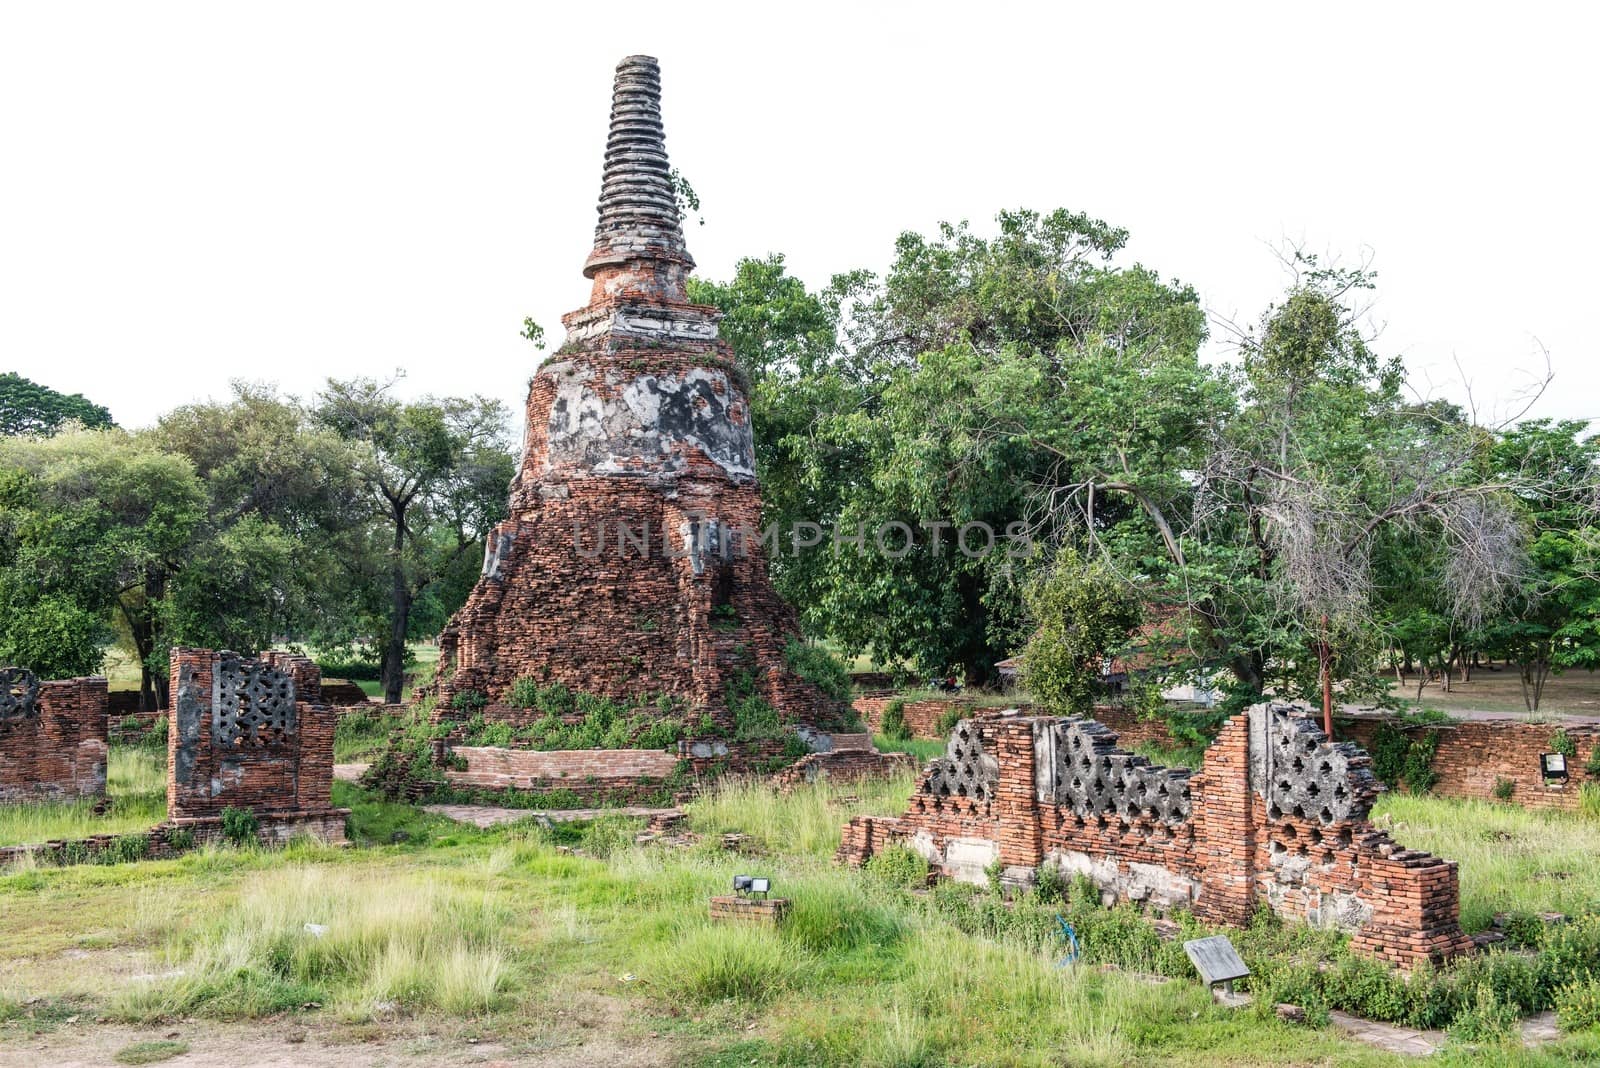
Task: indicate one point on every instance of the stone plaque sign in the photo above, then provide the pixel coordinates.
(1215, 959)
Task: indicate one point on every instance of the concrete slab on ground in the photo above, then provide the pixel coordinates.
(488, 816)
(1402, 1040)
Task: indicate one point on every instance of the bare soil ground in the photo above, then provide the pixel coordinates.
(598, 1037)
(1499, 690)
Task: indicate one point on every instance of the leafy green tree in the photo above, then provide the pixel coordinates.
(284, 515)
(1003, 376)
(1553, 621)
(434, 474)
(26, 407)
(789, 343)
(1082, 615)
(88, 521)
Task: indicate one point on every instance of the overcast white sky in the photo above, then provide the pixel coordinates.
(196, 192)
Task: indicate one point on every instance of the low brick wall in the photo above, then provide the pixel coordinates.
(162, 840)
(765, 911)
(54, 747)
(491, 768)
(1474, 754)
(841, 766)
(922, 717)
(1028, 791)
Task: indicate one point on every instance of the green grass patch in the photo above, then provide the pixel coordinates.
(923, 749)
(150, 1052)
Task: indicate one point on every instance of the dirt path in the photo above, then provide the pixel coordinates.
(601, 1043)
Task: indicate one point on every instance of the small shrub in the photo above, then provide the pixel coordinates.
(1503, 788)
(181, 840)
(818, 666)
(1589, 800)
(1561, 742)
(1401, 757)
(524, 693)
(1578, 1004)
(125, 849)
(1048, 885)
(608, 835)
(1485, 1018)
(893, 724)
(754, 718)
(945, 725)
(468, 700)
(1523, 929)
(899, 866)
(240, 825)
(1593, 767)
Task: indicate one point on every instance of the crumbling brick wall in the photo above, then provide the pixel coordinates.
(1473, 755)
(922, 716)
(842, 766)
(52, 737)
(248, 733)
(1276, 815)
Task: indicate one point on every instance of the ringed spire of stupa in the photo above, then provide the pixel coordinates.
(638, 208)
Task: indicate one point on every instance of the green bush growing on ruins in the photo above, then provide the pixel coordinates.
(945, 725)
(899, 866)
(240, 825)
(125, 849)
(1400, 757)
(1561, 742)
(1503, 788)
(894, 724)
(818, 666)
(656, 723)
(468, 700)
(1593, 767)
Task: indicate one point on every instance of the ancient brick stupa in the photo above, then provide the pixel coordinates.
(622, 570)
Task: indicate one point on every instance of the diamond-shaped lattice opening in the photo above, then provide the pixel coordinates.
(255, 704)
(19, 694)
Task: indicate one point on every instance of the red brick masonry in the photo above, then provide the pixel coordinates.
(1034, 790)
(1473, 755)
(53, 743)
(250, 734)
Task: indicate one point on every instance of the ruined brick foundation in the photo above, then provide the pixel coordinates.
(639, 423)
(251, 734)
(52, 737)
(1275, 815)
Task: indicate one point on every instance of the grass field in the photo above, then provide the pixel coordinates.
(572, 945)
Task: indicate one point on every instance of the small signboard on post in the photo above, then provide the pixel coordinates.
(1216, 960)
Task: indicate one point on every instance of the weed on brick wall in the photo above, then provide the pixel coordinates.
(1401, 757)
(240, 825)
(655, 721)
(893, 723)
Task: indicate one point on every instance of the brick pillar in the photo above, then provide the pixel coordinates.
(1016, 804)
(1226, 817)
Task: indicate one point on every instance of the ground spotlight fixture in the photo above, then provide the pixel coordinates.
(751, 885)
(1552, 766)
